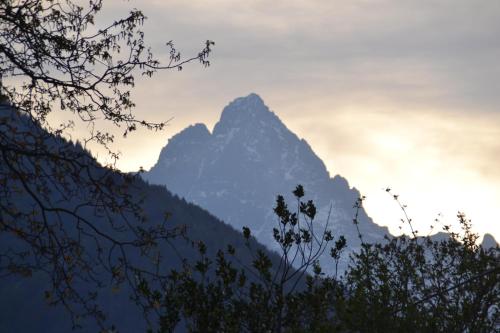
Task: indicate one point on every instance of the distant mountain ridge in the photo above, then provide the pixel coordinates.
(236, 171)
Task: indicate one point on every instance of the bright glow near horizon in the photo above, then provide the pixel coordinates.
(433, 166)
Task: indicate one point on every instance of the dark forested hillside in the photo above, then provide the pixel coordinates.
(27, 281)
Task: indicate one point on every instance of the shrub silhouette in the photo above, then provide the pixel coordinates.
(408, 284)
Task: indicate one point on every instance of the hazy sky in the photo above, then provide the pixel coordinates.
(397, 93)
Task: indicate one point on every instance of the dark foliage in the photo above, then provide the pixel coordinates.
(62, 215)
(28, 289)
(409, 284)
(225, 294)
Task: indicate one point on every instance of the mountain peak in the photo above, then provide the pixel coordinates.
(245, 111)
(489, 241)
(193, 133)
(250, 157)
(191, 136)
(251, 100)
(251, 105)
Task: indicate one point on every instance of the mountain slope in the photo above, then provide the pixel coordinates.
(236, 172)
(23, 304)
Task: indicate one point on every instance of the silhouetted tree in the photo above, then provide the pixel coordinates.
(421, 284)
(226, 294)
(408, 284)
(60, 211)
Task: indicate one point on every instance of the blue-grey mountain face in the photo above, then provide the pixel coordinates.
(489, 241)
(236, 172)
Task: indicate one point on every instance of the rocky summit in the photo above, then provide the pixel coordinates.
(237, 170)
